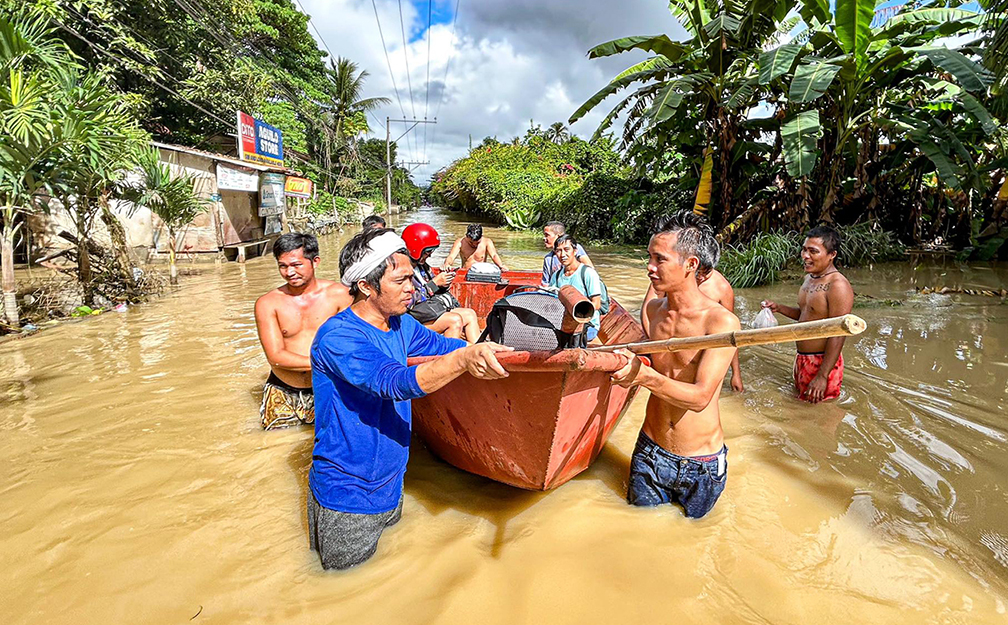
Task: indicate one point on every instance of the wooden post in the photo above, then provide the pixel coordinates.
(847, 325)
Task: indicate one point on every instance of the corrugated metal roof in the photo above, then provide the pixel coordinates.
(220, 157)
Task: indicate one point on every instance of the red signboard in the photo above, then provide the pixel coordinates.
(246, 135)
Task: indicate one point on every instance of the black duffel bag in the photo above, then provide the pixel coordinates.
(530, 321)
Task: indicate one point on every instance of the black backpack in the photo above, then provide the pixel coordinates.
(530, 321)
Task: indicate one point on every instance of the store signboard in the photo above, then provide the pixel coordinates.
(237, 179)
(271, 194)
(298, 187)
(258, 142)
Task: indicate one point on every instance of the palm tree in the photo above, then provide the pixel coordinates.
(171, 198)
(709, 80)
(344, 117)
(31, 127)
(558, 133)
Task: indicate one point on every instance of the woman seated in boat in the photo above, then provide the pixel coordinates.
(433, 306)
(582, 277)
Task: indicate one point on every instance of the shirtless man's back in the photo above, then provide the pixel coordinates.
(680, 455)
(474, 248)
(717, 287)
(286, 319)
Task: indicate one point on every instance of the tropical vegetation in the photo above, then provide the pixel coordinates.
(808, 114)
(85, 86)
(775, 115)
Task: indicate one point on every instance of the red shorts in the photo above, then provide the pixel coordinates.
(806, 366)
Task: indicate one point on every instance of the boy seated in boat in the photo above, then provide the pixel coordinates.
(551, 263)
(819, 365)
(286, 319)
(680, 456)
(474, 248)
(582, 277)
(714, 285)
(433, 306)
(363, 390)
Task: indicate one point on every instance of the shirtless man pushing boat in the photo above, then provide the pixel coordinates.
(819, 365)
(286, 319)
(680, 456)
(714, 285)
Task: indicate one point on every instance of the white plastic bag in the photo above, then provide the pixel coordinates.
(764, 319)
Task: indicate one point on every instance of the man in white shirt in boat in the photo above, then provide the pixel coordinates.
(714, 285)
(680, 456)
(286, 319)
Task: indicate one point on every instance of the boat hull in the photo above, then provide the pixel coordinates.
(543, 424)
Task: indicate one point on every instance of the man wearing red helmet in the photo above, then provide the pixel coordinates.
(433, 306)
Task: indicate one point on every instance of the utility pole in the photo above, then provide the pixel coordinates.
(388, 166)
(388, 150)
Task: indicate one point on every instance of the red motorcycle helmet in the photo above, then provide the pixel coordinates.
(420, 237)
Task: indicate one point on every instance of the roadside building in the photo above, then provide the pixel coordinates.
(247, 204)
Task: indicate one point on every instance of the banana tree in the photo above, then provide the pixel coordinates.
(711, 78)
(844, 79)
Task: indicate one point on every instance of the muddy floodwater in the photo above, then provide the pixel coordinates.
(137, 486)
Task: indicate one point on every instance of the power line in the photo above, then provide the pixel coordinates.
(310, 21)
(409, 81)
(123, 61)
(451, 52)
(427, 97)
(389, 63)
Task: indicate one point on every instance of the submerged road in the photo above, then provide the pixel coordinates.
(138, 486)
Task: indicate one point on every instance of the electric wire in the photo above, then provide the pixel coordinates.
(451, 53)
(124, 62)
(387, 61)
(427, 96)
(409, 81)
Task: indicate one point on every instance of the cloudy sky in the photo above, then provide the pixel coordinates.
(509, 61)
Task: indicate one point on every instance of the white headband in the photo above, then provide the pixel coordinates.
(379, 249)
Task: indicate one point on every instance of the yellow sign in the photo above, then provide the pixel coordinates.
(298, 187)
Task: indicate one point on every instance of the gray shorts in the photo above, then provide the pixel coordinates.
(344, 539)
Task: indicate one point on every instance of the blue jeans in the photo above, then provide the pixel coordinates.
(659, 476)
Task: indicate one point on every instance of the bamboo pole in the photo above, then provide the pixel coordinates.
(847, 325)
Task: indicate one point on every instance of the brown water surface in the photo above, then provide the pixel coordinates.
(138, 487)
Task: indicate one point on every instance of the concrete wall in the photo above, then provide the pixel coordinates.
(233, 219)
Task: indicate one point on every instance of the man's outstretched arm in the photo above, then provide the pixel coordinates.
(494, 256)
(694, 395)
(453, 254)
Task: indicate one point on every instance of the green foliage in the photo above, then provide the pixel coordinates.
(169, 196)
(866, 243)
(521, 183)
(760, 260)
(859, 123)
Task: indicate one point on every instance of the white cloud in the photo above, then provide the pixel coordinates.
(511, 61)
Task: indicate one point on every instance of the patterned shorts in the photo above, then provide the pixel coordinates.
(806, 367)
(284, 405)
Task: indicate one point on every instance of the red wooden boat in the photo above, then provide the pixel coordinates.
(544, 423)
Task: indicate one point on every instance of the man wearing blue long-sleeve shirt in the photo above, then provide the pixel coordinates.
(362, 392)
